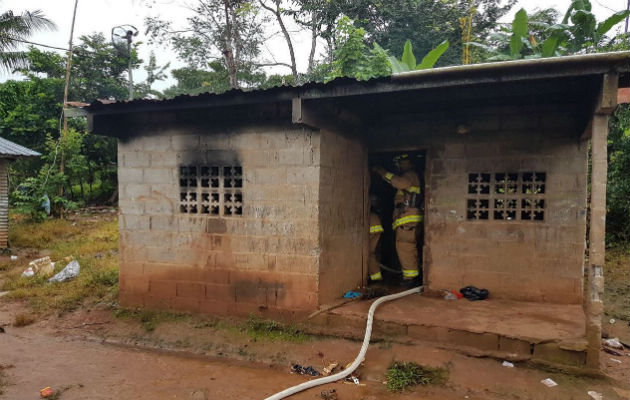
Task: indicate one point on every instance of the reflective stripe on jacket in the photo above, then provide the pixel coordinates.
(407, 219)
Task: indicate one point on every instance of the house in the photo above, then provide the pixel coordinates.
(9, 151)
(257, 202)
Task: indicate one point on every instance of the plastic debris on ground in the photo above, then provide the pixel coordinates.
(330, 394)
(46, 392)
(613, 343)
(473, 293)
(14, 258)
(41, 266)
(351, 295)
(549, 382)
(299, 369)
(329, 369)
(615, 360)
(594, 395)
(69, 272)
(4, 293)
(508, 364)
(612, 321)
(452, 295)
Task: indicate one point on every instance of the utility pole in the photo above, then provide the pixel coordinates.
(129, 32)
(628, 17)
(64, 132)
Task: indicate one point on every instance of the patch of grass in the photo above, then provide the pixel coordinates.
(403, 375)
(92, 241)
(4, 380)
(617, 290)
(23, 320)
(149, 319)
(259, 328)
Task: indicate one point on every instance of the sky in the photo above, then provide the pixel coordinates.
(103, 15)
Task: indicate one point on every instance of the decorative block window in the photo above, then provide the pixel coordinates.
(211, 190)
(506, 196)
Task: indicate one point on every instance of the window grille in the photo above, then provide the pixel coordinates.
(211, 190)
(506, 196)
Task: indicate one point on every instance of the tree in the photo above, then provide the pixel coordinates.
(99, 69)
(578, 32)
(14, 31)
(352, 57)
(227, 30)
(426, 23)
(277, 12)
(155, 73)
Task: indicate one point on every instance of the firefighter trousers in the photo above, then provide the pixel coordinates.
(407, 249)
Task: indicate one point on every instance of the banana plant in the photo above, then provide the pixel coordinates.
(408, 59)
(578, 31)
(583, 33)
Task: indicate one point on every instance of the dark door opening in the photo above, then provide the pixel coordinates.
(382, 202)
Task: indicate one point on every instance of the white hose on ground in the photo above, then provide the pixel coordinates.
(357, 361)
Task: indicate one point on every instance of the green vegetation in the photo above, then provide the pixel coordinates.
(404, 375)
(618, 189)
(4, 382)
(541, 36)
(93, 242)
(259, 328)
(617, 291)
(149, 319)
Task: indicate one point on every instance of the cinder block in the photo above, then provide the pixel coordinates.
(184, 142)
(129, 299)
(306, 175)
(133, 285)
(213, 307)
(135, 159)
(164, 223)
(135, 222)
(191, 289)
(162, 159)
(131, 207)
(162, 289)
(293, 156)
(159, 175)
(514, 346)
(134, 191)
(552, 353)
(130, 175)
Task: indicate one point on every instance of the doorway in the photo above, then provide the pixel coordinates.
(382, 202)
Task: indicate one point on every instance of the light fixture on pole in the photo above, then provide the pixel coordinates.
(120, 34)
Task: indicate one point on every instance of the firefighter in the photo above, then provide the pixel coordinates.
(407, 216)
(376, 229)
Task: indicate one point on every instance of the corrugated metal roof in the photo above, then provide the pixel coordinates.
(461, 75)
(8, 149)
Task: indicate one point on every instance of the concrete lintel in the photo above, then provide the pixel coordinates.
(324, 116)
(607, 98)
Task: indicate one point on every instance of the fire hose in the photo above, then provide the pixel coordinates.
(357, 361)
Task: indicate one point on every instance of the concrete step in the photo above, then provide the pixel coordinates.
(518, 331)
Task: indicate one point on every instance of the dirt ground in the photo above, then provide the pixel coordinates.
(85, 347)
(91, 354)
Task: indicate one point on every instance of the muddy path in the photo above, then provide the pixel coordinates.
(92, 356)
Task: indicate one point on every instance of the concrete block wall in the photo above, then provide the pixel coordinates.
(341, 215)
(265, 259)
(522, 260)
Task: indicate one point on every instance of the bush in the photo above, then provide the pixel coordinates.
(618, 190)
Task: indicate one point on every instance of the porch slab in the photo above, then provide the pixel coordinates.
(510, 329)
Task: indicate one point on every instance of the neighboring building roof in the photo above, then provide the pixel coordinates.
(462, 75)
(8, 149)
